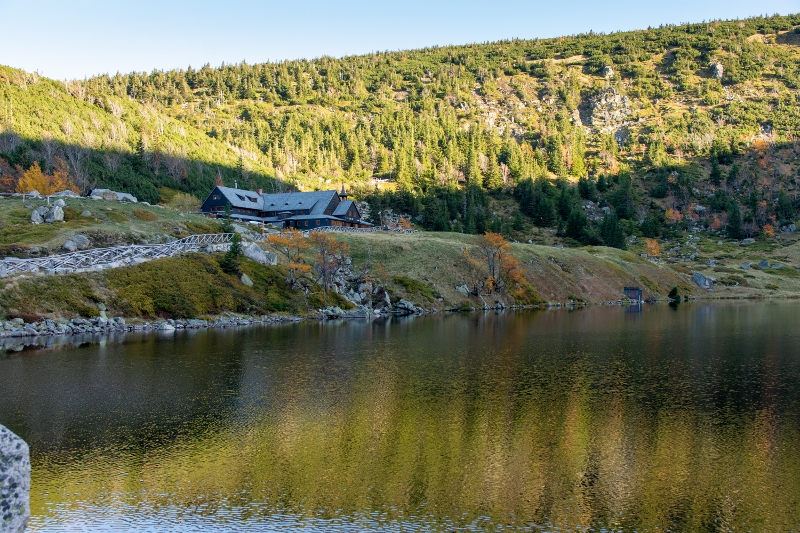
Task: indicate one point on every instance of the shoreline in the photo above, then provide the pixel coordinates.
(80, 327)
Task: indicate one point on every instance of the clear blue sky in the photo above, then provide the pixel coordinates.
(78, 38)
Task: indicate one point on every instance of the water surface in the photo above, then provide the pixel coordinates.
(601, 418)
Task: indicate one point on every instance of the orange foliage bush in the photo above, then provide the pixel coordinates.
(34, 179)
(652, 248)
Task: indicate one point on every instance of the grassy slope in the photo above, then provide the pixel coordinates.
(593, 274)
(110, 223)
(194, 286)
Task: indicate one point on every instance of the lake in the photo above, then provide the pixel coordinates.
(607, 418)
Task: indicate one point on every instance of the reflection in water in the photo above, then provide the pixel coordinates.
(660, 419)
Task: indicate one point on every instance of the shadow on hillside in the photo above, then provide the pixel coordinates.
(139, 173)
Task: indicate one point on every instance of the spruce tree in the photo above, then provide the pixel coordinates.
(734, 221)
(611, 232)
(230, 261)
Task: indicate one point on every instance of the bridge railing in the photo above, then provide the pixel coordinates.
(115, 256)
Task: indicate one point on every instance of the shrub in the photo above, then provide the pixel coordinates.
(147, 216)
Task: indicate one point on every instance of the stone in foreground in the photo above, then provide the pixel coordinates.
(15, 482)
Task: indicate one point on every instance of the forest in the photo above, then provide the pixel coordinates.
(595, 136)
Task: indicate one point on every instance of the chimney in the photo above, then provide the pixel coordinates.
(261, 192)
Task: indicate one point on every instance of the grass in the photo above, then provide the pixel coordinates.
(147, 216)
(180, 287)
(417, 288)
(110, 223)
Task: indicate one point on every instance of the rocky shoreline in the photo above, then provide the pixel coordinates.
(18, 328)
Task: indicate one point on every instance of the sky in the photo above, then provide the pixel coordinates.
(68, 39)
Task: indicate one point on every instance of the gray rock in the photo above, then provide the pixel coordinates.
(254, 252)
(763, 263)
(776, 266)
(86, 213)
(748, 241)
(702, 281)
(81, 241)
(15, 482)
(70, 246)
(166, 327)
(745, 266)
(608, 72)
(463, 290)
(36, 217)
(246, 280)
(60, 203)
(56, 214)
(404, 307)
(332, 312)
(66, 194)
(717, 70)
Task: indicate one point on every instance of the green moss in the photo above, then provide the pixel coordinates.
(117, 216)
(52, 296)
(142, 214)
(195, 285)
(414, 287)
(650, 284)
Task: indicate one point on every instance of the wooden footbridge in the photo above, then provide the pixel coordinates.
(115, 256)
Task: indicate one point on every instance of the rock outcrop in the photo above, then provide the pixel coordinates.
(15, 482)
(254, 252)
(608, 111)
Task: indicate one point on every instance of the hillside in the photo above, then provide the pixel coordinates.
(669, 128)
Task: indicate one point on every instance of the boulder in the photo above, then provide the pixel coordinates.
(748, 241)
(15, 482)
(81, 241)
(763, 263)
(86, 213)
(717, 70)
(745, 266)
(70, 246)
(166, 327)
(404, 307)
(608, 72)
(246, 280)
(56, 214)
(60, 203)
(33, 194)
(332, 312)
(702, 281)
(463, 290)
(36, 217)
(66, 194)
(381, 299)
(254, 252)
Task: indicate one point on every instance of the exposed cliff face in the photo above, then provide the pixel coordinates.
(15, 482)
(607, 112)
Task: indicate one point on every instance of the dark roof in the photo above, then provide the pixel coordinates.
(342, 208)
(241, 198)
(316, 202)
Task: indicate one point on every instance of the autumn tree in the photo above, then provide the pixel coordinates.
(328, 259)
(291, 244)
(652, 248)
(495, 269)
(34, 179)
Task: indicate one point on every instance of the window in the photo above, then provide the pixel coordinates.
(305, 223)
(317, 222)
(216, 197)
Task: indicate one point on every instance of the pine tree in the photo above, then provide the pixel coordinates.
(716, 172)
(230, 261)
(611, 232)
(734, 221)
